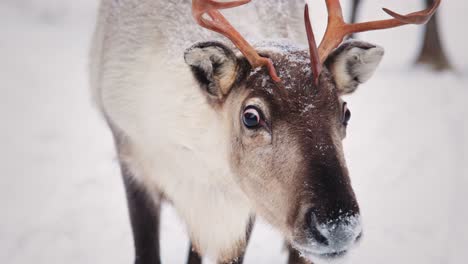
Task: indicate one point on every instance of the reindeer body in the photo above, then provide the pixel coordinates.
(197, 126)
(168, 137)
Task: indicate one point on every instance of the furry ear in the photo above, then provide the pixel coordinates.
(353, 63)
(214, 66)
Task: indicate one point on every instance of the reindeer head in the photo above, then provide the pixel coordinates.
(285, 136)
(285, 140)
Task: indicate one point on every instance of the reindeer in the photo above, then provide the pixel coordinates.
(208, 129)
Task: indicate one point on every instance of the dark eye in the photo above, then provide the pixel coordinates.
(251, 117)
(346, 116)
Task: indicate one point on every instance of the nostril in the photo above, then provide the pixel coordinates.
(312, 225)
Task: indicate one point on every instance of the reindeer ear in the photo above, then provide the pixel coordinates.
(353, 63)
(214, 66)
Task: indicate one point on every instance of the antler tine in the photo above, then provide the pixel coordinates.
(218, 23)
(421, 17)
(337, 29)
(314, 55)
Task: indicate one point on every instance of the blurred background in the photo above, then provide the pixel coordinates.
(61, 194)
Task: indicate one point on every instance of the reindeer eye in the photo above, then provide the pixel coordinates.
(346, 116)
(251, 117)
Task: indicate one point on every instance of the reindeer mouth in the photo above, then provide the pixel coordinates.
(322, 256)
(334, 255)
(314, 255)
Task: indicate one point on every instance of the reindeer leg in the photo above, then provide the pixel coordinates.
(295, 257)
(144, 213)
(143, 209)
(193, 257)
(144, 217)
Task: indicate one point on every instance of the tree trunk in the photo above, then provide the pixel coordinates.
(432, 51)
(354, 13)
(354, 10)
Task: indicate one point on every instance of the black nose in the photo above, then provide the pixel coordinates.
(336, 234)
(312, 225)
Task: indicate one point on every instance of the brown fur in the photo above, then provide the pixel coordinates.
(301, 164)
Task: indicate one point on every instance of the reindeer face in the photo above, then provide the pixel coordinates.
(286, 140)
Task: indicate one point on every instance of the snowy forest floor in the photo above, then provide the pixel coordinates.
(62, 199)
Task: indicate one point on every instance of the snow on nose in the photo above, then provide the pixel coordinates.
(341, 234)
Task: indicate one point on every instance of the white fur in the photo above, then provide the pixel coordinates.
(364, 61)
(179, 147)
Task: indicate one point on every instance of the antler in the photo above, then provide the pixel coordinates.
(337, 29)
(315, 62)
(207, 15)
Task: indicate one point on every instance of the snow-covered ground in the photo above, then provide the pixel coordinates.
(61, 196)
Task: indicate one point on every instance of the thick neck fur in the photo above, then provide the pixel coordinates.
(178, 147)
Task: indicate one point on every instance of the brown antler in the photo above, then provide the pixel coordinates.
(207, 15)
(337, 29)
(315, 62)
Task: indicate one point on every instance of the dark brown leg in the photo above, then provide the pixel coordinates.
(144, 213)
(432, 51)
(295, 257)
(144, 217)
(193, 257)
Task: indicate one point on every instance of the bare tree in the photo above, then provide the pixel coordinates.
(354, 10)
(432, 51)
